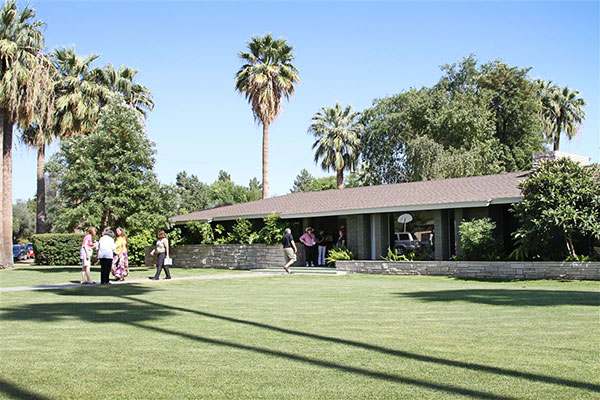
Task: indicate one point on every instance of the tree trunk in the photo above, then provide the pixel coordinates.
(7, 258)
(340, 178)
(557, 137)
(265, 162)
(40, 223)
(3, 115)
(570, 246)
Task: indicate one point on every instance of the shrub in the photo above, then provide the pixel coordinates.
(272, 232)
(339, 253)
(392, 255)
(412, 256)
(57, 249)
(201, 231)
(242, 232)
(478, 240)
(136, 246)
(560, 212)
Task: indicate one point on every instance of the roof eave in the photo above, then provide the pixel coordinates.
(379, 210)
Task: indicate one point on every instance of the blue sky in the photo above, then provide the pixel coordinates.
(350, 52)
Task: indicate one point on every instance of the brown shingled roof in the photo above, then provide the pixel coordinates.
(476, 191)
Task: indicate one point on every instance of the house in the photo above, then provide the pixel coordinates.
(369, 214)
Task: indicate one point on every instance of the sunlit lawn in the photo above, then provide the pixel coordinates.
(288, 337)
(28, 274)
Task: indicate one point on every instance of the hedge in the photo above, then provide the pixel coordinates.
(57, 249)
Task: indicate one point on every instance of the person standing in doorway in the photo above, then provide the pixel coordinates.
(341, 238)
(106, 251)
(162, 251)
(321, 247)
(309, 242)
(289, 250)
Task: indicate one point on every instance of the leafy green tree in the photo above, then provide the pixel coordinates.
(254, 189)
(561, 197)
(515, 104)
(302, 182)
(562, 111)
(488, 116)
(266, 76)
(24, 219)
(337, 144)
(224, 190)
(192, 194)
(305, 182)
(107, 179)
(25, 98)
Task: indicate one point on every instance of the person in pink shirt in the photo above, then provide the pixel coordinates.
(310, 244)
(87, 249)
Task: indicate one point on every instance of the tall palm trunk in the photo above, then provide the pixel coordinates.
(40, 223)
(2, 249)
(556, 140)
(7, 259)
(340, 178)
(265, 161)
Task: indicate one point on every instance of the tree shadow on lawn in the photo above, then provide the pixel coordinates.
(16, 392)
(510, 297)
(388, 351)
(139, 315)
(144, 311)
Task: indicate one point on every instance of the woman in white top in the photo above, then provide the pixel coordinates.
(162, 251)
(106, 251)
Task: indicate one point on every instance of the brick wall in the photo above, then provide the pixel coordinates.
(231, 256)
(469, 269)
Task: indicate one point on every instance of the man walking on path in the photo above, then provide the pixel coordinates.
(289, 250)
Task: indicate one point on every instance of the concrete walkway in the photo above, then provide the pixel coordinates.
(128, 282)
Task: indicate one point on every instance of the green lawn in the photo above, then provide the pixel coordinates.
(312, 337)
(30, 275)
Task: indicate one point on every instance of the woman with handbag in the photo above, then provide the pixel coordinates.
(162, 252)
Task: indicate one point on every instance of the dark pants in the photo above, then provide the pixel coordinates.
(160, 264)
(105, 266)
(310, 253)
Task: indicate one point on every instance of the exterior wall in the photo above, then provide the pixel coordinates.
(358, 234)
(381, 227)
(230, 256)
(469, 269)
(438, 237)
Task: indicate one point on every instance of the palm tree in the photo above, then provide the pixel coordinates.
(121, 81)
(266, 76)
(338, 139)
(76, 111)
(26, 97)
(562, 111)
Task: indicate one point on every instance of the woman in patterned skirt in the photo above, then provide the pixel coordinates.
(120, 265)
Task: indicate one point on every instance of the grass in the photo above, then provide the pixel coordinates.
(303, 337)
(28, 274)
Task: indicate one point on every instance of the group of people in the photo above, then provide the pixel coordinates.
(112, 254)
(315, 247)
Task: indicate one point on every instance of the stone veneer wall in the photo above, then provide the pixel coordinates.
(231, 256)
(470, 269)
